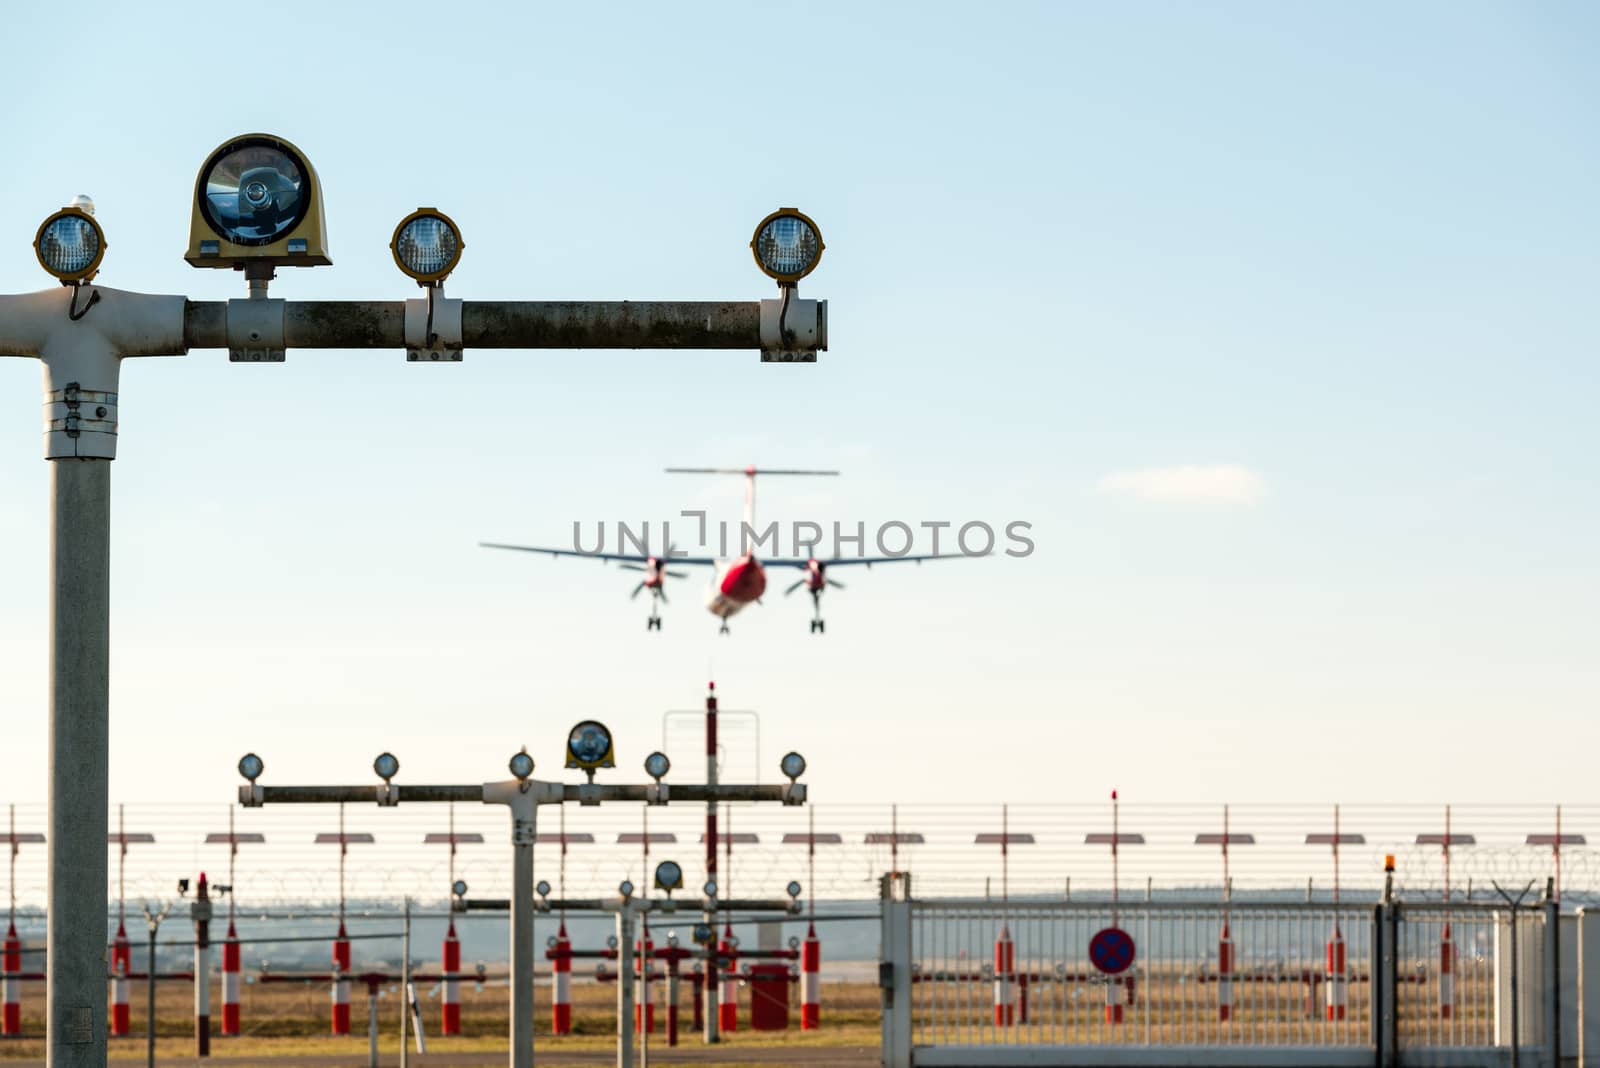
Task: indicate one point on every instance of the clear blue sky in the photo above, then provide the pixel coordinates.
(1275, 321)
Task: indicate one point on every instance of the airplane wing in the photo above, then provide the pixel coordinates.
(842, 561)
(667, 561)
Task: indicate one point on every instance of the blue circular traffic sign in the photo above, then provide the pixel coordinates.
(1111, 950)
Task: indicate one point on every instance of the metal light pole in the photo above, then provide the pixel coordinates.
(81, 343)
(522, 796)
(152, 922)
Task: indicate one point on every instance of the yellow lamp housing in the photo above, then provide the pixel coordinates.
(787, 246)
(589, 746)
(70, 245)
(257, 200)
(427, 246)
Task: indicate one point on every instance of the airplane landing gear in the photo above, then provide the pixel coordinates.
(653, 623)
(724, 628)
(818, 626)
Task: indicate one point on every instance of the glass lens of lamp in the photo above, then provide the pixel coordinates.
(794, 889)
(427, 245)
(69, 245)
(459, 888)
(668, 874)
(521, 765)
(710, 888)
(250, 766)
(786, 245)
(387, 766)
(793, 765)
(255, 194)
(626, 889)
(543, 889)
(588, 743)
(656, 765)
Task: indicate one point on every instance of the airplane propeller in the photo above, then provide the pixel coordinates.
(635, 592)
(630, 567)
(835, 585)
(794, 586)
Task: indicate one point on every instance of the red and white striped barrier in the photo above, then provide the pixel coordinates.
(121, 965)
(644, 1009)
(728, 1005)
(561, 975)
(1338, 992)
(1225, 976)
(1447, 975)
(10, 968)
(341, 985)
(1113, 1002)
(450, 1023)
(1005, 979)
(230, 983)
(811, 981)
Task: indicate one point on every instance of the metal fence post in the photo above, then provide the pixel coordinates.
(894, 977)
(1384, 987)
(1551, 1001)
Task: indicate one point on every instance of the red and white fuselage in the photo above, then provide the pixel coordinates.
(738, 583)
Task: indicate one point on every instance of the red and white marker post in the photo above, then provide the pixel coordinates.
(561, 975)
(1005, 979)
(1227, 950)
(232, 990)
(341, 943)
(1447, 944)
(11, 955)
(450, 950)
(1336, 975)
(728, 1004)
(121, 950)
(1006, 983)
(811, 980)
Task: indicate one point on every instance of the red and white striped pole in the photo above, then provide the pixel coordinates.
(1337, 993)
(728, 1003)
(1005, 979)
(450, 1024)
(230, 981)
(561, 985)
(1447, 945)
(644, 1009)
(811, 981)
(1113, 1002)
(1225, 976)
(11, 1022)
(341, 985)
(201, 914)
(121, 965)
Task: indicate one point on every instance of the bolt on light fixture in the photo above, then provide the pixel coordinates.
(427, 246)
(387, 765)
(70, 243)
(669, 876)
(793, 765)
(656, 765)
(589, 747)
(521, 764)
(257, 205)
(787, 246)
(250, 766)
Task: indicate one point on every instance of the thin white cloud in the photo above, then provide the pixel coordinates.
(1220, 483)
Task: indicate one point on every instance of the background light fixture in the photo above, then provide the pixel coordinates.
(543, 889)
(459, 888)
(794, 889)
(521, 764)
(710, 889)
(625, 888)
(387, 765)
(250, 766)
(257, 200)
(787, 246)
(427, 246)
(656, 765)
(793, 766)
(70, 244)
(669, 876)
(589, 746)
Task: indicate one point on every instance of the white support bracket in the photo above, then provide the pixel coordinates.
(433, 328)
(255, 331)
(794, 335)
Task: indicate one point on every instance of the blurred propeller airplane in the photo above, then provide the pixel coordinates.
(739, 581)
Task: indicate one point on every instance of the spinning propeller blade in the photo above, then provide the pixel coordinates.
(636, 590)
(836, 585)
(630, 567)
(794, 586)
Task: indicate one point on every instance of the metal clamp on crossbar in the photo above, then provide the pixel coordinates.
(80, 422)
(255, 331)
(793, 330)
(433, 328)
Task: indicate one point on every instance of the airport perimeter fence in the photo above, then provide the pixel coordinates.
(992, 983)
(290, 856)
